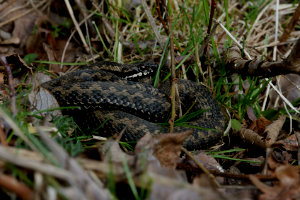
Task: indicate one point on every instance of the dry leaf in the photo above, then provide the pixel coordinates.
(290, 143)
(112, 152)
(287, 188)
(168, 149)
(165, 147)
(260, 125)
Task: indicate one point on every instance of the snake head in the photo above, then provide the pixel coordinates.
(140, 70)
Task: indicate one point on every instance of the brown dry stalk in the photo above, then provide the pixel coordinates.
(11, 85)
(2, 136)
(173, 75)
(292, 24)
(262, 68)
(69, 7)
(161, 17)
(12, 184)
(191, 156)
(197, 171)
(297, 133)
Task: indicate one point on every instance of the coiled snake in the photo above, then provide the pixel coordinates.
(108, 92)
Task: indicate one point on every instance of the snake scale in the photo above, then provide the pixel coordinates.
(111, 92)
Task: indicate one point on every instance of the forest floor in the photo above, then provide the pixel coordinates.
(245, 52)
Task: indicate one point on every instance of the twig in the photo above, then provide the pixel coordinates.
(12, 93)
(189, 154)
(298, 154)
(12, 184)
(234, 39)
(87, 24)
(161, 17)
(262, 68)
(152, 23)
(212, 11)
(76, 25)
(292, 24)
(7, 156)
(196, 170)
(173, 75)
(2, 136)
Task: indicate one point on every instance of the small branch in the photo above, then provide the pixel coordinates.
(196, 171)
(161, 17)
(292, 24)
(212, 11)
(173, 75)
(189, 154)
(12, 93)
(2, 136)
(12, 184)
(298, 154)
(264, 69)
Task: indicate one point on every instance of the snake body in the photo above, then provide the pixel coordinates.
(109, 90)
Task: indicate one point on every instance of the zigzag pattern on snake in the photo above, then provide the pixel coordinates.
(108, 90)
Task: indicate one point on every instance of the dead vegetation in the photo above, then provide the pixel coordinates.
(233, 47)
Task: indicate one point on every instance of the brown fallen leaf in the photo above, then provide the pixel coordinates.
(260, 125)
(278, 158)
(165, 147)
(272, 131)
(287, 188)
(168, 149)
(290, 143)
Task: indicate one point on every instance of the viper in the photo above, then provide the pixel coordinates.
(112, 96)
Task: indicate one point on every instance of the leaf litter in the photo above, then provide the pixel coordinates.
(158, 168)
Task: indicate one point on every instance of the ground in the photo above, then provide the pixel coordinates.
(245, 52)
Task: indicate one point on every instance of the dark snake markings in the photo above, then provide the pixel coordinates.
(109, 90)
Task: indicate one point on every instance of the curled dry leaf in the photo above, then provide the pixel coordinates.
(287, 188)
(272, 130)
(260, 125)
(168, 149)
(165, 147)
(278, 158)
(290, 143)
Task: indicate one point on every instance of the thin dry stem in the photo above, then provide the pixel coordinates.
(212, 177)
(69, 7)
(152, 23)
(22, 14)
(12, 93)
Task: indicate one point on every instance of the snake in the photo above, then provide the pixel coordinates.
(111, 97)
